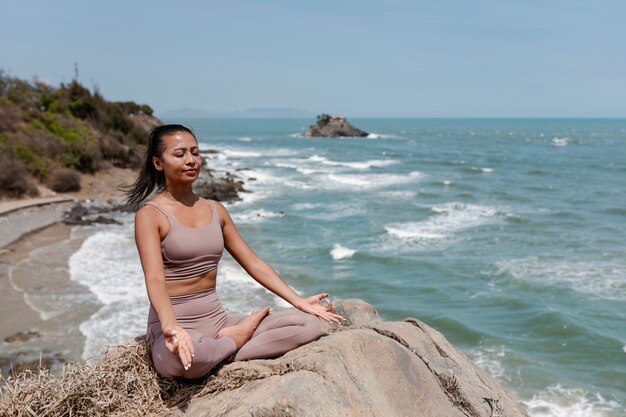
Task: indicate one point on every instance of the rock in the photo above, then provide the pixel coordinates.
(81, 215)
(333, 126)
(366, 367)
(225, 189)
(21, 336)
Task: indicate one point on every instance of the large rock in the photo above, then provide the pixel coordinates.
(225, 189)
(333, 126)
(365, 367)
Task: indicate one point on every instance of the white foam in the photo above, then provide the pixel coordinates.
(559, 401)
(399, 194)
(490, 359)
(307, 171)
(604, 278)
(255, 216)
(306, 206)
(436, 231)
(240, 153)
(245, 139)
(354, 165)
(487, 170)
(450, 218)
(447, 183)
(107, 263)
(366, 181)
(341, 252)
(556, 141)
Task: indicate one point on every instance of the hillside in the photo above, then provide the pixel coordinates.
(49, 135)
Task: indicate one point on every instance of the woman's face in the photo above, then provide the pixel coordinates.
(180, 161)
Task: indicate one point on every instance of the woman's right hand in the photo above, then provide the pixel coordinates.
(177, 340)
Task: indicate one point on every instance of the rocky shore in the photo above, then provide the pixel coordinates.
(363, 367)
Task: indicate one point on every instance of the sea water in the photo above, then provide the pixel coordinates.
(505, 235)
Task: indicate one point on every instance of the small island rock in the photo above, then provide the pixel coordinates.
(333, 126)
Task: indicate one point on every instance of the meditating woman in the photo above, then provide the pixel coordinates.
(180, 238)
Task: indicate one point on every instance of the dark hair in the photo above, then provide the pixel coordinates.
(149, 177)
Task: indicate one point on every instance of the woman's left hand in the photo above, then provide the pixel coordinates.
(313, 305)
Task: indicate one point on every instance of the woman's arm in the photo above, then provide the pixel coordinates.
(264, 274)
(148, 241)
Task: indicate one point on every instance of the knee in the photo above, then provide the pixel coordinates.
(313, 327)
(166, 363)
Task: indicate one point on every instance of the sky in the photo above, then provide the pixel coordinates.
(365, 58)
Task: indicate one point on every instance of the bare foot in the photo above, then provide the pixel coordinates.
(243, 331)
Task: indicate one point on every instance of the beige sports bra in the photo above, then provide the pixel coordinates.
(191, 251)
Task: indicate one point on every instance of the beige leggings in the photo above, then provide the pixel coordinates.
(203, 316)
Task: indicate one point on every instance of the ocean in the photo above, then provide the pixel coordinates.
(505, 235)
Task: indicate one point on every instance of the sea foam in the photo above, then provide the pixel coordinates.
(108, 264)
(341, 252)
(560, 401)
(449, 219)
(603, 278)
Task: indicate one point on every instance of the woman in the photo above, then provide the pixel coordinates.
(180, 238)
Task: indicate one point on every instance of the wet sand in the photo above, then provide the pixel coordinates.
(35, 247)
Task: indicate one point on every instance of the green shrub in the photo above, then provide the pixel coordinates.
(33, 162)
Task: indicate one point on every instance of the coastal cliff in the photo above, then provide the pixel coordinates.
(364, 367)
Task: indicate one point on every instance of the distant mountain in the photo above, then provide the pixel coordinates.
(261, 113)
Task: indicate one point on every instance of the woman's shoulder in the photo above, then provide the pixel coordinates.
(149, 210)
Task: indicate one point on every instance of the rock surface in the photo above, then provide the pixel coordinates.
(333, 126)
(365, 367)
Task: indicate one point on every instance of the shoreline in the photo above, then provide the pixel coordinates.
(28, 227)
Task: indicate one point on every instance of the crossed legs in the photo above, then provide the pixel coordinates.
(274, 335)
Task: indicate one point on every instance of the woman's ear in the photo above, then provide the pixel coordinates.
(157, 163)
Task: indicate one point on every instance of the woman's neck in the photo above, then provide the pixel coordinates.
(182, 194)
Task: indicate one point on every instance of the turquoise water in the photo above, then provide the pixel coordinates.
(505, 235)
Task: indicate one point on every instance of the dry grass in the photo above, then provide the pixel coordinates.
(124, 383)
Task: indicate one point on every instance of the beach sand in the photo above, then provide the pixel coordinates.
(35, 247)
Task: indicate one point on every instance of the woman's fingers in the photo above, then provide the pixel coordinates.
(178, 341)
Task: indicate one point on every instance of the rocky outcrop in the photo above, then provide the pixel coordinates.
(363, 367)
(225, 189)
(333, 126)
(366, 367)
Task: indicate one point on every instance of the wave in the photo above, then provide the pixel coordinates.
(490, 359)
(399, 194)
(340, 252)
(564, 141)
(559, 401)
(603, 278)
(370, 180)
(484, 170)
(449, 219)
(108, 264)
(255, 216)
(354, 165)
